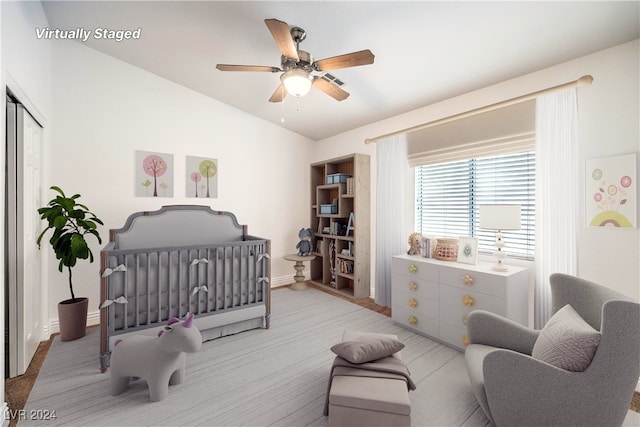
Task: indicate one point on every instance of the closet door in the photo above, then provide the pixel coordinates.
(25, 296)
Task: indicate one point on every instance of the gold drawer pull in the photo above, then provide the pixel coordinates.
(413, 320)
(465, 341)
(468, 301)
(413, 286)
(467, 280)
(413, 269)
(413, 303)
(464, 320)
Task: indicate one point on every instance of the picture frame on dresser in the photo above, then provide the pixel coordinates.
(467, 250)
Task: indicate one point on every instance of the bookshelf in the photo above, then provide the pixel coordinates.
(340, 218)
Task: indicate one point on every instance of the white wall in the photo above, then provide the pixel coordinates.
(608, 125)
(27, 60)
(105, 109)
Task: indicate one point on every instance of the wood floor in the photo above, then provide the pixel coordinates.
(363, 302)
(17, 389)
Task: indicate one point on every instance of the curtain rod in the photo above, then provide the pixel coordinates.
(582, 81)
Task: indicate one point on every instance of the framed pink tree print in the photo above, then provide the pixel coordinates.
(153, 174)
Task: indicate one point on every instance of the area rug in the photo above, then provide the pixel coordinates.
(264, 377)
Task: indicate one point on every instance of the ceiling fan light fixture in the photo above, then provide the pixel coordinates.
(297, 82)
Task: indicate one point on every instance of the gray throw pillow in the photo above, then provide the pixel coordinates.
(366, 349)
(567, 341)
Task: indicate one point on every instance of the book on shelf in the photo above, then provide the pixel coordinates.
(350, 186)
(428, 246)
(338, 229)
(344, 266)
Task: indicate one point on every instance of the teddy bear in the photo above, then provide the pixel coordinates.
(304, 245)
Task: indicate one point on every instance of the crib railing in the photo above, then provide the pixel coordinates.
(141, 288)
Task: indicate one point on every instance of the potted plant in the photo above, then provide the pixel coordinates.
(70, 222)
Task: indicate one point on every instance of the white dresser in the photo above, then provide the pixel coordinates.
(434, 297)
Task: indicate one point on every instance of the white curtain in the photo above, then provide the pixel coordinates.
(556, 193)
(391, 192)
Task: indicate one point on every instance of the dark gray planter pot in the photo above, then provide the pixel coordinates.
(72, 317)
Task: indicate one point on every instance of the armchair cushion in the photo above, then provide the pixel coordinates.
(567, 341)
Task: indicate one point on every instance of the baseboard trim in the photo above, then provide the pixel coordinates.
(284, 280)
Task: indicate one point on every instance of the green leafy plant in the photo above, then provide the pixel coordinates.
(70, 222)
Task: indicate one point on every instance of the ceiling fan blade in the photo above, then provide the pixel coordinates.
(282, 35)
(330, 89)
(279, 94)
(354, 59)
(230, 67)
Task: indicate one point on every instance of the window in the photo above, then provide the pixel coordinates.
(448, 196)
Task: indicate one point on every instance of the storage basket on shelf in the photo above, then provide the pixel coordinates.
(447, 249)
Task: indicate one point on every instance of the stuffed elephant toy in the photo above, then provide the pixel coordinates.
(304, 245)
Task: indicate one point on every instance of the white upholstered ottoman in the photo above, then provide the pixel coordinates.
(380, 400)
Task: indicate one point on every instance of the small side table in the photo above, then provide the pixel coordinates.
(299, 284)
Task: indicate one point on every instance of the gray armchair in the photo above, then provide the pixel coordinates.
(514, 389)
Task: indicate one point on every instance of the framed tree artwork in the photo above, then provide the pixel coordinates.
(153, 174)
(202, 177)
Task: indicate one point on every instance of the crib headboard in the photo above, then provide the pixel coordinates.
(177, 225)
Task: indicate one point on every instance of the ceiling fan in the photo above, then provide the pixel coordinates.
(299, 70)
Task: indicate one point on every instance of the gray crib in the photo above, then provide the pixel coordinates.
(179, 260)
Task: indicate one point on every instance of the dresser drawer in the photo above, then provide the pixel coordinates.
(454, 335)
(470, 300)
(414, 268)
(455, 315)
(478, 281)
(413, 319)
(425, 305)
(417, 287)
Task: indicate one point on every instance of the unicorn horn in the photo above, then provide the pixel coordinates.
(189, 322)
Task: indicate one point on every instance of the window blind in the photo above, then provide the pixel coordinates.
(448, 196)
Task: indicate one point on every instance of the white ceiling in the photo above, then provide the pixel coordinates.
(425, 51)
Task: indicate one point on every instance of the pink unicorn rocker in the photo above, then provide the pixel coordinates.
(161, 361)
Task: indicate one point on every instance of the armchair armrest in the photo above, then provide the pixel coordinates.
(490, 329)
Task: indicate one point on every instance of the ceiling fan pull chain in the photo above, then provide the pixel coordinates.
(282, 103)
